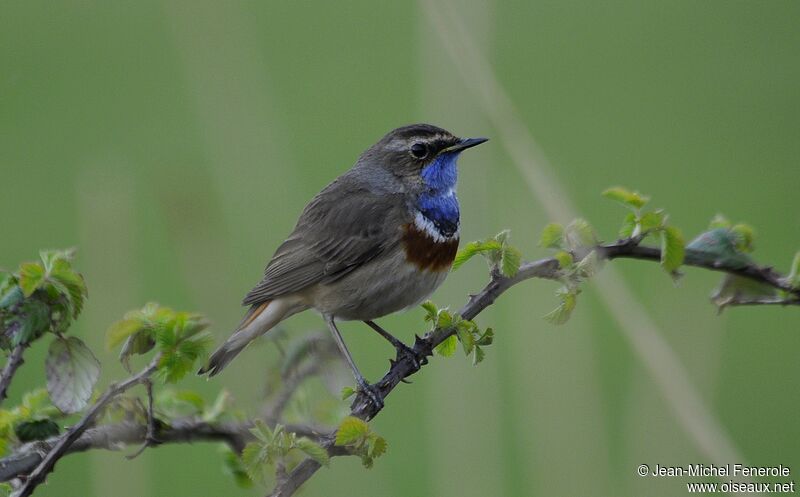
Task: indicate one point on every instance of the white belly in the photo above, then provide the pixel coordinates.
(385, 285)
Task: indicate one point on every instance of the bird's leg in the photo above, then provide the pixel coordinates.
(402, 349)
(370, 390)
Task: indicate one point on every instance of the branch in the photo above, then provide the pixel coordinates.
(423, 347)
(112, 437)
(14, 362)
(64, 442)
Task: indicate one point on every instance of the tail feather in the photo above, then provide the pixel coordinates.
(258, 320)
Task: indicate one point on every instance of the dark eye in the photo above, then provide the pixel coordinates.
(419, 150)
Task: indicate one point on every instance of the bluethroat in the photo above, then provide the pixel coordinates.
(380, 238)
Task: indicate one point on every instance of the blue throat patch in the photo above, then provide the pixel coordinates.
(439, 203)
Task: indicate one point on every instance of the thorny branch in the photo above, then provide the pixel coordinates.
(548, 268)
(33, 461)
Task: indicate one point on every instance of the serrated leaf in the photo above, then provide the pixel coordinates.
(474, 248)
(465, 337)
(379, 447)
(31, 275)
(255, 458)
(63, 274)
(138, 343)
(626, 197)
(510, 259)
(651, 221)
(744, 237)
(351, 430)
(72, 371)
(313, 450)
(448, 347)
(119, 331)
(628, 226)
(672, 249)
(562, 313)
(430, 310)
(552, 236)
(31, 320)
(443, 318)
(719, 221)
(478, 356)
(28, 431)
(486, 338)
(564, 259)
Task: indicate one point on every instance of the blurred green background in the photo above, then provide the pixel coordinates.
(174, 143)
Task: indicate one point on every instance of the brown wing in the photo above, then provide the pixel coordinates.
(342, 228)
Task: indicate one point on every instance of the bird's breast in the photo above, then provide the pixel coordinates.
(428, 250)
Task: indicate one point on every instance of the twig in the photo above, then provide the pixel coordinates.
(15, 360)
(423, 347)
(75, 431)
(114, 436)
(150, 437)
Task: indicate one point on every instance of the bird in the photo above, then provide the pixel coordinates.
(378, 239)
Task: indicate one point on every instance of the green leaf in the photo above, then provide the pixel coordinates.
(552, 236)
(256, 460)
(651, 221)
(30, 321)
(72, 371)
(486, 338)
(474, 248)
(138, 343)
(719, 221)
(348, 392)
(448, 347)
(119, 331)
(430, 310)
(379, 447)
(31, 275)
(314, 451)
(562, 313)
(672, 249)
(744, 237)
(564, 259)
(351, 430)
(628, 226)
(72, 285)
(464, 333)
(478, 356)
(794, 273)
(510, 260)
(626, 197)
(28, 431)
(443, 318)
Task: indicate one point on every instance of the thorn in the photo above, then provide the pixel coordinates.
(407, 382)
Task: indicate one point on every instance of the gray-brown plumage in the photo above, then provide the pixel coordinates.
(378, 239)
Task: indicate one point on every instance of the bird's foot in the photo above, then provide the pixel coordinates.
(372, 392)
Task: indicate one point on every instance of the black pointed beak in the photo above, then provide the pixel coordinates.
(466, 143)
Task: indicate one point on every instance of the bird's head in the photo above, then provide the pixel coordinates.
(422, 157)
